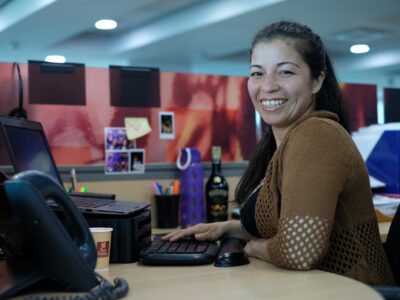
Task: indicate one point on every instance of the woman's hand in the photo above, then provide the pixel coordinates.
(258, 249)
(202, 232)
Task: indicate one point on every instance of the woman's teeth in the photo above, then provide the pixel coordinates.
(271, 104)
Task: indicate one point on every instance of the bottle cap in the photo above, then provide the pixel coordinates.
(216, 153)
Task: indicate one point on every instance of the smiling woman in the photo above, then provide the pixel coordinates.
(306, 199)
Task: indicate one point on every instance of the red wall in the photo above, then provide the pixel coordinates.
(361, 102)
(209, 110)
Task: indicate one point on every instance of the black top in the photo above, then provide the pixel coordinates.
(247, 214)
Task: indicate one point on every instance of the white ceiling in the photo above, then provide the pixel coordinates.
(211, 36)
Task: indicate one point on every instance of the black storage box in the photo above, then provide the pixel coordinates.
(130, 234)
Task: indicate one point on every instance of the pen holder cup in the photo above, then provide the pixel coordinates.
(167, 208)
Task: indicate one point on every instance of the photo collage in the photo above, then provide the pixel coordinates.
(121, 155)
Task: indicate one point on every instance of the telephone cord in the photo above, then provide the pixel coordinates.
(104, 291)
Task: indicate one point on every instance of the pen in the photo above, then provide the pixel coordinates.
(73, 179)
(157, 188)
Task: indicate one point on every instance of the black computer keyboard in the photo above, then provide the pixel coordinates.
(186, 251)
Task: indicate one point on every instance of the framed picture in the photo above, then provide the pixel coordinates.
(115, 138)
(116, 162)
(167, 125)
(137, 159)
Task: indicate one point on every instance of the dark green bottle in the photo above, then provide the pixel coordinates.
(217, 190)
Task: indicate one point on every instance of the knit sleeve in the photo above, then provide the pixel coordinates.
(314, 166)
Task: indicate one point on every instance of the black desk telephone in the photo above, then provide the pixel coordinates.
(36, 246)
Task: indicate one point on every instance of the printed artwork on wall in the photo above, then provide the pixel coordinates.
(207, 110)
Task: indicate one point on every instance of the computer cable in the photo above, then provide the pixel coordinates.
(19, 112)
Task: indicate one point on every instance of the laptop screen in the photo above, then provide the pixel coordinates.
(28, 147)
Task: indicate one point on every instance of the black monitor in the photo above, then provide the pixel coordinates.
(134, 86)
(27, 146)
(56, 83)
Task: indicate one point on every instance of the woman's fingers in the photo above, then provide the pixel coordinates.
(180, 233)
(201, 232)
(173, 235)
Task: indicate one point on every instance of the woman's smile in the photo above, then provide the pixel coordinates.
(272, 104)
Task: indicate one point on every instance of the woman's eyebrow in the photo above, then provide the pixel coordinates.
(278, 64)
(288, 63)
(255, 66)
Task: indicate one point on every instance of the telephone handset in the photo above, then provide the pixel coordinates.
(37, 244)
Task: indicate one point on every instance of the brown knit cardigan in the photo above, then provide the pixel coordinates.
(315, 206)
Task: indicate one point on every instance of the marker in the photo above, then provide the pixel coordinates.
(83, 189)
(175, 189)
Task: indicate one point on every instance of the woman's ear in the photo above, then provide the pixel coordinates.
(318, 82)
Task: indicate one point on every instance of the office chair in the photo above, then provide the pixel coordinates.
(392, 249)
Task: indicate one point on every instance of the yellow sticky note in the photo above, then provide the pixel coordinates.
(136, 127)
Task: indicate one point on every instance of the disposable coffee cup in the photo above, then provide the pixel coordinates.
(102, 241)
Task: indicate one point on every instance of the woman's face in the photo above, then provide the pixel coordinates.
(280, 83)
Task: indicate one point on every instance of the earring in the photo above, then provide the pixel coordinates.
(315, 91)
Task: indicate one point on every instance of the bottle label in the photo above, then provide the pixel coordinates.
(217, 194)
(218, 212)
(217, 205)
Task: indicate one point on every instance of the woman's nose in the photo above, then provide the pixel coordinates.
(269, 84)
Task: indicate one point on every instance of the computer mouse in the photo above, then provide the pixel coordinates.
(231, 254)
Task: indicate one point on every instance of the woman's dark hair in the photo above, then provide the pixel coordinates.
(329, 98)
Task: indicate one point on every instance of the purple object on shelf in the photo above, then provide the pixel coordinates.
(191, 187)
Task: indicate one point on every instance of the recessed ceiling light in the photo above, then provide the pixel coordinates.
(105, 24)
(359, 48)
(55, 59)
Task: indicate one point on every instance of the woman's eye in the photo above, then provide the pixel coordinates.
(285, 73)
(255, 75)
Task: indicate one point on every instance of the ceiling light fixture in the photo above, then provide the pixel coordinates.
(105, 24)
(359, 48)
(55, 59)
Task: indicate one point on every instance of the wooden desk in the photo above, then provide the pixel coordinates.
(257, 280)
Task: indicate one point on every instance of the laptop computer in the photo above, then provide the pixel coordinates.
(28, 149)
